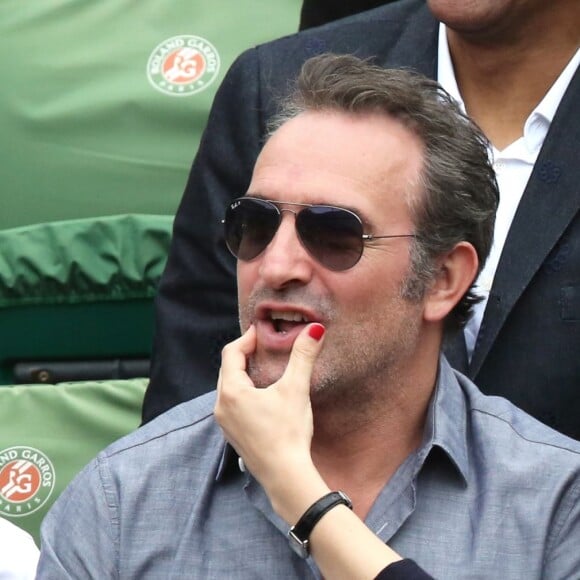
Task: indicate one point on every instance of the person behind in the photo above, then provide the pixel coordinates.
(18, 553)
(369, 214)
(513, 64)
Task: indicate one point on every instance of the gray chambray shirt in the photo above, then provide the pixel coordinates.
(491, 493)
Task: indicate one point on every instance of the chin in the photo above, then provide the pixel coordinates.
(470, 15)
(264, 374)
(265, 371)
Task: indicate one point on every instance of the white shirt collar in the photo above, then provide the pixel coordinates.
(538, 123)
(544, 113)
(445, 72)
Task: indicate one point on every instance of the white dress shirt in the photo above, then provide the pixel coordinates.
(513, 166)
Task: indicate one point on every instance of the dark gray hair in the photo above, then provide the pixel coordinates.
(460, 194)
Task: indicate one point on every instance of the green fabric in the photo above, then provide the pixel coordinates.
(84, 131)
(50, 432)
(69, 262)
(80, 289)
(99, 330)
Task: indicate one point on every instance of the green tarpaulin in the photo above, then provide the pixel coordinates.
(103, 103)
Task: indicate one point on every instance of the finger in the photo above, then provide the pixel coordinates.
(232, 373)
(234, 354)
(219, 381)
(305, 351)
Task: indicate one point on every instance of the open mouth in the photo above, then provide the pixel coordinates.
(286, 321)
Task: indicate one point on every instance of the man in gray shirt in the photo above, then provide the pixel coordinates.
(369, 215)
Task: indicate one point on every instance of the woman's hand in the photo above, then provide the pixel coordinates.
(271, 428)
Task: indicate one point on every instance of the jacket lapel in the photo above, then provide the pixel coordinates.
(417, 45)
(549, 203)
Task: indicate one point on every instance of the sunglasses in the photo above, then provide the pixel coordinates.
(331, 235)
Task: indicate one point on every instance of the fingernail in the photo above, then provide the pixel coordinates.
(316, 331)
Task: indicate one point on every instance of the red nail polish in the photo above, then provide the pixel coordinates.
(316, 331)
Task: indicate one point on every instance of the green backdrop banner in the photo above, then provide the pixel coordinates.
(103, 103)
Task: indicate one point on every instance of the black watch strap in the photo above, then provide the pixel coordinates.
(299, 534)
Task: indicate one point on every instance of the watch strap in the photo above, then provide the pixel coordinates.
(299, 534)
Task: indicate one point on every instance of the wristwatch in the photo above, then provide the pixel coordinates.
(299, 534)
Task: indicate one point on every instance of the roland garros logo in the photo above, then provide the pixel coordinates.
(183, 65)
(26, 480)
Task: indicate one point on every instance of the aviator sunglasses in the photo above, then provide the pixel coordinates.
(332, 235)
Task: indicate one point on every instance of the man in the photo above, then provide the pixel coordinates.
(369, 213)
(500, 58)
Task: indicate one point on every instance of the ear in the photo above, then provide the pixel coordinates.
(455, 274)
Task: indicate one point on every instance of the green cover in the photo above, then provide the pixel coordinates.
(86, 128)
(48, 433)
(88, 260)
(80, 289)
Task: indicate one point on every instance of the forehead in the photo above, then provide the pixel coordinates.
(365, 161)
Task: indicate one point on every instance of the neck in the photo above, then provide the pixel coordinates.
(502, 76)
(359, 442)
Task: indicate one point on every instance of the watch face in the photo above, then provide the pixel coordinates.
(299, 546)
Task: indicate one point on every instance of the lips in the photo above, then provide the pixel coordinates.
(278, 325)
(285, 321)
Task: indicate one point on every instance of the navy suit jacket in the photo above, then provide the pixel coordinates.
(528, 348)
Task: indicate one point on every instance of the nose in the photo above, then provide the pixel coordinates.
(285, 261)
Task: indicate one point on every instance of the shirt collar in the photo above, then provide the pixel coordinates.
(445, 73)
(446, 424)
(539, 120)
(549, 104)
(543, 115)
(445, 428)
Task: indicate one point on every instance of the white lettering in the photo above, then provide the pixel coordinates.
(9, 456)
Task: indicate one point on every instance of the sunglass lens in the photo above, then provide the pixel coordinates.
(250, 225)
(332, 235)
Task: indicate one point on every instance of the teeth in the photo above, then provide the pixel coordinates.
(289, 315)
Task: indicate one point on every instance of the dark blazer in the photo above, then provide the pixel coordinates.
(529, 343)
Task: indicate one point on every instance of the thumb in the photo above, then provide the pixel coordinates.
(305, 351)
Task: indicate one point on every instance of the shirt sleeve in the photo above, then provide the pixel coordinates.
(404, 570)
(79, 535)
(563, 553)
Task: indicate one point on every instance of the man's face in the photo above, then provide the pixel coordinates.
(369, 164)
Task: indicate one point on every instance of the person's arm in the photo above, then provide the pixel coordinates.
(196, 304)
(562, 558)
(281, 415)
